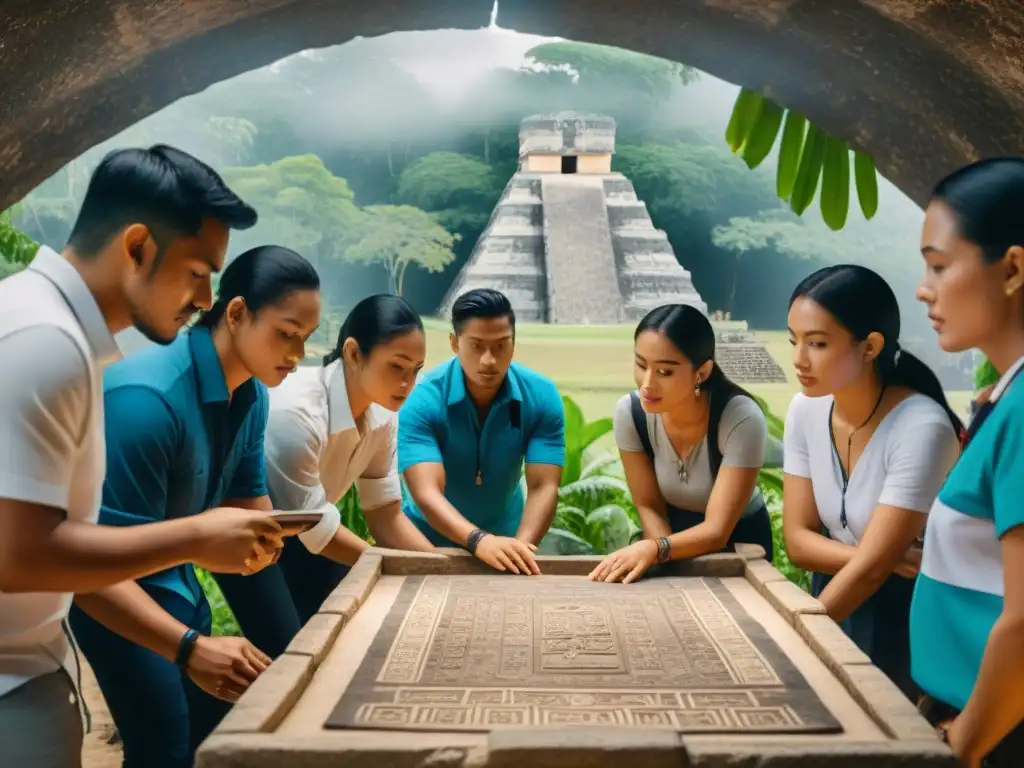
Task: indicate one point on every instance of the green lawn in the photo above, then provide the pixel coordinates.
(593, 364)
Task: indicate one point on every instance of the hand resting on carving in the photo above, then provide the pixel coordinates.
(506, 554)
(628, 564)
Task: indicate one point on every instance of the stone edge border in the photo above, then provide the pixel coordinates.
(246, 736)
(558, 748)
(878, 696)
(452, 562)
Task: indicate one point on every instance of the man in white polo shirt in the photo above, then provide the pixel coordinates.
(153, 228)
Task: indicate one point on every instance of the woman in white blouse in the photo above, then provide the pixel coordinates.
(869, 441)
(330, 427)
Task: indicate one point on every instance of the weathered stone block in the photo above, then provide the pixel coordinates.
(760, 573)
(790, 600)
(355, 586)
(886, 704)
(585, 748)
(829, 642)
(271, 697)
(316, 638)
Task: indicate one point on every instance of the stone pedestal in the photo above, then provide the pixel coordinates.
(752, 672)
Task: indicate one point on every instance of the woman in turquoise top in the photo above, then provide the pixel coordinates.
(185, 425)
(967, 615)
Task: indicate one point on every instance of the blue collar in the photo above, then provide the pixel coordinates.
(213, 388)
(457, 386)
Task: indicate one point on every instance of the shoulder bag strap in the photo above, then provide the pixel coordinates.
(640, 424)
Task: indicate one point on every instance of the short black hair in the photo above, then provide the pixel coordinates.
(166, 189)
(481, 303)
(262, 276)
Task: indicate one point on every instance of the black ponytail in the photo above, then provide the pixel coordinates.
(909, 371)
(862, 302)
(262, 276)
(376, 320)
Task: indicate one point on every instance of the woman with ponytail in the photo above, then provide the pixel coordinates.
(869, 441)
(334, 426)
(692, 444)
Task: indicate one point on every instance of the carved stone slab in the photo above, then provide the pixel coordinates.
(476, 653)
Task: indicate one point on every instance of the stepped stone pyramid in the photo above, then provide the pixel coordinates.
(570, 243)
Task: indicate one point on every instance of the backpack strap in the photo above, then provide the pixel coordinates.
(640, 424)
(717, 408)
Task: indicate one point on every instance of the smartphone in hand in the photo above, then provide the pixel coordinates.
(295, 523)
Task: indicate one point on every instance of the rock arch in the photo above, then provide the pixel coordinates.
(923, 85)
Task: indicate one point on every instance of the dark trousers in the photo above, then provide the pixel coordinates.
(161, 715)
(881, 628)
(751, 529)
(310, 578)
(272, 605)
(1009, 753)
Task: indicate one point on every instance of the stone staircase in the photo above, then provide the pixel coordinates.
(581, 248)
(582, 283)
(649, 274)
(509, 256)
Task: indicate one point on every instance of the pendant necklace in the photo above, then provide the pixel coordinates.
(849, 452)
(682, 465)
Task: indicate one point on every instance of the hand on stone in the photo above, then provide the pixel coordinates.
(506, 554)
(628, 564)
(224, 667)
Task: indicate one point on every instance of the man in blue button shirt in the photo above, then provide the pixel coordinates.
(465, 432)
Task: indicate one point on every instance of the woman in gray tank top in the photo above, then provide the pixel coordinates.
(692, 444)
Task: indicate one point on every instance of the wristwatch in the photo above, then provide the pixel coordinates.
(473, 539)
(186, 645)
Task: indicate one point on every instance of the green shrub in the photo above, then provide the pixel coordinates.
(224, 622)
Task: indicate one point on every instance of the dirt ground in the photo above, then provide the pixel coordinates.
(97, 753)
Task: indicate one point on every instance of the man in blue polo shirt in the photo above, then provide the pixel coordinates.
(464, 433)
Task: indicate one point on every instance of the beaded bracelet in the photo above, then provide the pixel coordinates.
(664, 550)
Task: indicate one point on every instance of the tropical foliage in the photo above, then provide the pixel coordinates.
(224, 621)
(985, 375)
(807, 154)
(16, 248)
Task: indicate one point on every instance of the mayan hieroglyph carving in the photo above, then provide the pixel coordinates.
(481, 652)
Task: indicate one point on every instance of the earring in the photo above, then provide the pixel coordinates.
(696, 389)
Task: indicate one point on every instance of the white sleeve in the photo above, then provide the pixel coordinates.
(626, 437)
(917, 463)
(796, 461)
(379, 483)
(293, 447)
(45, 398)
